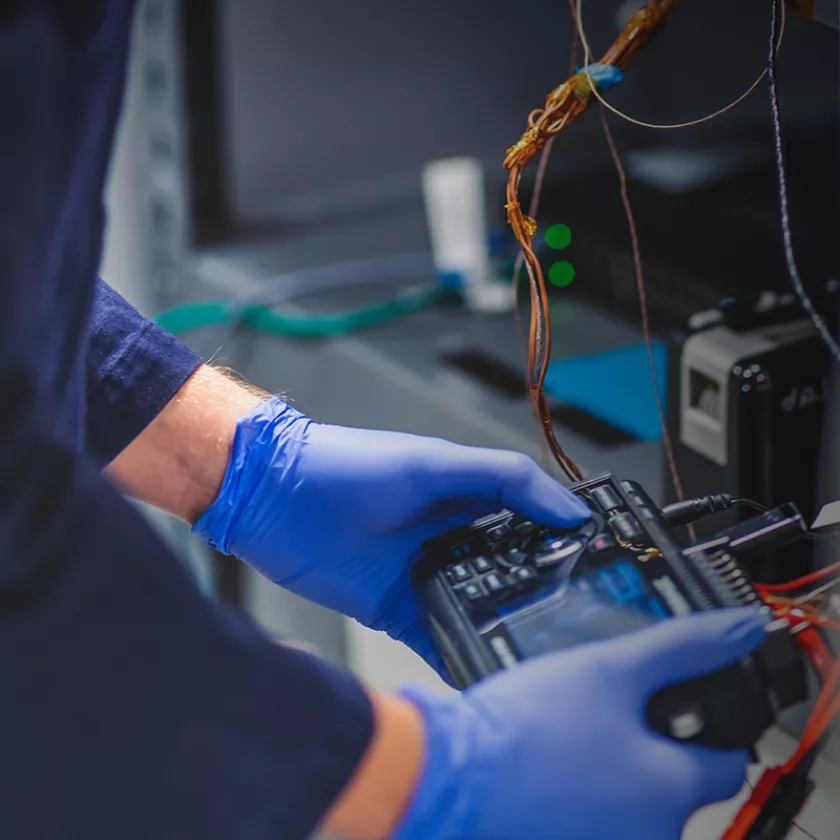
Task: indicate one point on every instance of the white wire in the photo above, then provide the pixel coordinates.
(587, 55)
(803, 599)
(282, 288)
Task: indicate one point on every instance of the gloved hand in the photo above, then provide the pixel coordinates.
(337, 515)
(559, 747)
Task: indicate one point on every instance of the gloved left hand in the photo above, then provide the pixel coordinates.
(338, 515)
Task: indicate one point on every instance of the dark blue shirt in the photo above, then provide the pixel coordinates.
(131, 707)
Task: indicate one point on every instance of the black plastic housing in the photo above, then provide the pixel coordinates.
(504, 590)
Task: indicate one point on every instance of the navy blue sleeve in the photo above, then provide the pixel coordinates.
(134, 368)
(132, 707)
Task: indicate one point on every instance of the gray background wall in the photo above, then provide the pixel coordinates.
(326, 98)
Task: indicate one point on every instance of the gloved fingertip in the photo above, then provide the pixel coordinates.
(690, 646)
(567, 508)
(534, 494)
(553, 494)
(748, 629)
(583, 510)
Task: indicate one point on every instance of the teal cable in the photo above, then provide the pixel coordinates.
(190, 316)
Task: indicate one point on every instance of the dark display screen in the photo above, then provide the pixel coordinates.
(601, 605)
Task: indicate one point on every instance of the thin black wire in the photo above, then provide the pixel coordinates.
(790, 259)
(750, 503)
(784, 209)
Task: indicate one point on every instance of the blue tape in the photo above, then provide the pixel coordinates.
(604, 75)
(625, 397)
(451, 279)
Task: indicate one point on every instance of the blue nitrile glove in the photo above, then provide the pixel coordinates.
(558, 747)
(337, 515)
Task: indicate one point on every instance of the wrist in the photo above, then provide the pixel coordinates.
(258, 434)
(380, 791)
(220, 402)
(452, 778)
(179, 461)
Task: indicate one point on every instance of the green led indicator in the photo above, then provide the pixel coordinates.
(561, 274)
(558, 237)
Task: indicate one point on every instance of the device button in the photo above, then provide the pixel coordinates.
(472, 592)
(493, 582)
(588, 529)
(626, 528)
(525, 528)
(483, 564)
(523, 573)
(605, 498)
(546, 560)
(460, 572)
(499, 533)
(602, 542)
(516, 556)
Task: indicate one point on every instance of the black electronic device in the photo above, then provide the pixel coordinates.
(748, 398)
(505, 590)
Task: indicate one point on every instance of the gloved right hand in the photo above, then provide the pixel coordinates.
(559, 747)
(338, 515)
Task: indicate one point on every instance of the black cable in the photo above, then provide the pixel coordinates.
(784, 209)
(778, 814)
(750, 503)
(690, 510)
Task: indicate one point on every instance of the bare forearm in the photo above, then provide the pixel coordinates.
(178, 462)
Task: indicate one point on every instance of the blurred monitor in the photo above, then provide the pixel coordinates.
(299, 111)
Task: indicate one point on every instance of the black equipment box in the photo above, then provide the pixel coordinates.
(505, 590)
(746, 407)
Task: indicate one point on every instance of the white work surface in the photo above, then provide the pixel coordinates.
(385, 664)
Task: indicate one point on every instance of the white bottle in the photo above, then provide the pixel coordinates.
(455, 213)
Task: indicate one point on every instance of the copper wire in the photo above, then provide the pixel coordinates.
(563, 105)
(643, 307)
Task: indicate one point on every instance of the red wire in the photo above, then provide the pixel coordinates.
(798, 583)
(825, 710)
(818, 723)
(751, 809)
(816, 650)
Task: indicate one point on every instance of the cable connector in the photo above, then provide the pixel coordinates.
(690, 510)
(788, 798)
(774, 804)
